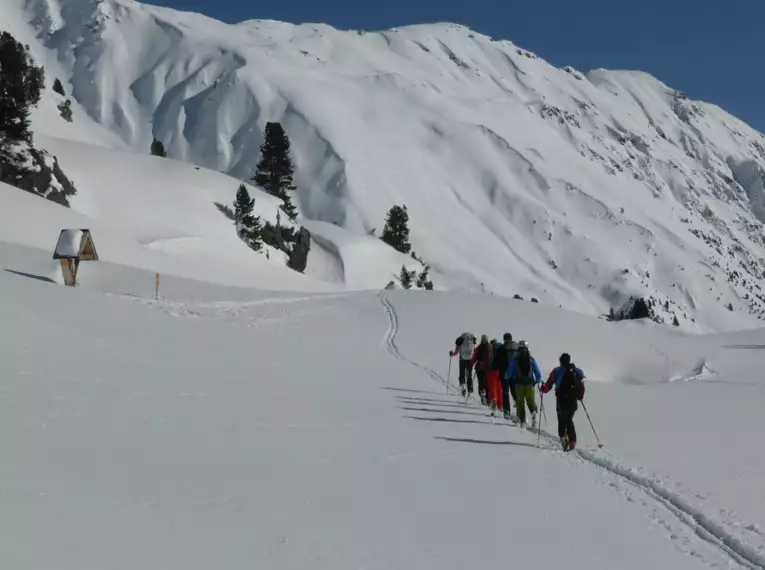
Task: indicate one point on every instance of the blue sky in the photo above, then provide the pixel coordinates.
(714, 51)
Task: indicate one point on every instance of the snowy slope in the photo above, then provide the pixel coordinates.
(185, 434)
(30, 221)
(520, 177)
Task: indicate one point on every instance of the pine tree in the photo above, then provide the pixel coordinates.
(158, 149)
(611, 315)
(275, 172)
(406, 277)
(396, 230)
(675, 321)
(248, 226)
(21, 86)
(255, 234)
(58, 88)
(243, 205)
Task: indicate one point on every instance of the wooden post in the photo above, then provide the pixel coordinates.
(67, 272)
(156, 295)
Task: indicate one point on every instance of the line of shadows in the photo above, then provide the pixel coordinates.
(31, 276)
(410, 390)
(437, 411)
(491, 442)
(447, 420)
(745, 346)
(432, 403)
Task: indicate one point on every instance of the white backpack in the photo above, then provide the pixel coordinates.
(467, 347)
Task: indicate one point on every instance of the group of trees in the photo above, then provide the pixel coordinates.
(22, 84)
(642, 308)
(65, 108)
(409, 278)
(396, 234)
(275, 175)
(21, 87)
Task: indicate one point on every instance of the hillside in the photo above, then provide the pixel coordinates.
(580, 190)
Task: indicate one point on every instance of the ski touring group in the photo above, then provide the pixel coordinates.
(506, 370)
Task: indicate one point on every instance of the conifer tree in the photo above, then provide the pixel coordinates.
(406, 277)
(396, 230)
(248, 226)
(675, 321)
(275, 172)
(158, 149)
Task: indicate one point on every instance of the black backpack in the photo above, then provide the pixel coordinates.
(571, 385)
(523, 359)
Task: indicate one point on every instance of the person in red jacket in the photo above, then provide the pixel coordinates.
(569, 389)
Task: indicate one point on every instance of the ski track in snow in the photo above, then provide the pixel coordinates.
(666, 508)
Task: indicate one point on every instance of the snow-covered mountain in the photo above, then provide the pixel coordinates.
(522, 178)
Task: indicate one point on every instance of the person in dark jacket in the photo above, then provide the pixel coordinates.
(569, 389)
(503, 354)
(482, 361)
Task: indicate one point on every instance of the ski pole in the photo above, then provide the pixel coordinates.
(542, 406)
(449, 374)
(544, 414)
(592, 426)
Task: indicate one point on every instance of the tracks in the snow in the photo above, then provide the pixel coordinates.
(390, 342)
(712, 534)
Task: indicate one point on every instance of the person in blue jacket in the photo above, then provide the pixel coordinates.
(523, 371)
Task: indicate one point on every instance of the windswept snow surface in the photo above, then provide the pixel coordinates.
(578, 189)
(230, 428)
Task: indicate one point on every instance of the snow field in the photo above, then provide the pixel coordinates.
(286, 430)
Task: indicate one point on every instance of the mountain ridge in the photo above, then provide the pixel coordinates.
(560, 180)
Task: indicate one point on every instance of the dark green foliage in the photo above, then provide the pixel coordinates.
(58, 88)
(65, 109)
(158, 149)
(611, 314)
(406, 277)
(248, 226)
(21, 86)
(423, 282)
(396, 230)
(675, 321)
(640, 310)
(275, 172)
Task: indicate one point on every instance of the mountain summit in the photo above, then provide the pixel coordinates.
(586, 190)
